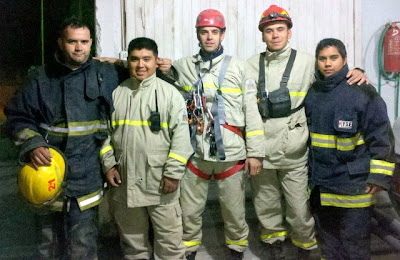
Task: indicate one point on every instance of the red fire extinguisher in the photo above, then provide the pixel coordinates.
(392, 49)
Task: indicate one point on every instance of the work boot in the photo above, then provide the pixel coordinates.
(276, 251)
(304, 254)
(191, 256)
(235, 255)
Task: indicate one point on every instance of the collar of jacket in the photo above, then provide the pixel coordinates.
(64, 69)
(329, 83)
(91, 80)
(147, 82)
(279, 55)
(205, 65)
(212, 56)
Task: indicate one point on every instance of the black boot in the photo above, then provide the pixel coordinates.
(304, 254)
(276, 251)
(235, 255)
(192, 256)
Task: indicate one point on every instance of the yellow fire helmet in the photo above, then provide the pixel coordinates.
(42, 186)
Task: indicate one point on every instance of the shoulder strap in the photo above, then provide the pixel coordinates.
(289, 66)
(224, 68)
(261, 77)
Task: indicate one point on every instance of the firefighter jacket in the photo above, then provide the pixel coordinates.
(286, 137)
(351, 141)
(241, 112)
(144, 156)
(67, 109)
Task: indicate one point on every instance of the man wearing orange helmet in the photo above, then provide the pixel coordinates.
(284, 77)
(226, 133)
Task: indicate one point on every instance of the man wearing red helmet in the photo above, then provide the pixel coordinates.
(284, 77)
(226, 133)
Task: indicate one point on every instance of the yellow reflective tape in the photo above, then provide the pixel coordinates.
(135, 123)
(239, 243)
(191, 243)
(332, 141)
(323, 137)
(304, 245)
(383, 163)
(90, 200)
(177, 157)
(298, 94)
(380, 171)
(382, 167)
(209, 85)
(347, 201)
(273, 235)
(212, 85)
(231, 90)
(106, 149)
(25, 134)
(323, 145)
(256, 132)
(187, 88)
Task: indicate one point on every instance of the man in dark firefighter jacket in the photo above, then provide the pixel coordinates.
(351, 155)
(63, 105)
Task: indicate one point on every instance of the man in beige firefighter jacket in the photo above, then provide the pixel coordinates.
(145, 157)
(226, 133)
(284, 77)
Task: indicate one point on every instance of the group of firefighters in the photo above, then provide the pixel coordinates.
(221, 118)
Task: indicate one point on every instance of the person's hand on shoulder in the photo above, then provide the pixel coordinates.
(356, 76)
(164, 65)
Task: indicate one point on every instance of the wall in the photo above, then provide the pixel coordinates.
(171, 23)
(374, 17)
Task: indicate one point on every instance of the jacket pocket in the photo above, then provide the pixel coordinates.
(156, 162)
(359, 166)
(297, 134)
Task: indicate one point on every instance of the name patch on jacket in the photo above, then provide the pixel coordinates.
(345, 124)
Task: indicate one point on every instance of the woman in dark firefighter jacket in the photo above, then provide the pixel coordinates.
(350, 155)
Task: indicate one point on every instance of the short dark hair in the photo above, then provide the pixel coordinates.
(143, 43)
(331, 42)
(72, 22)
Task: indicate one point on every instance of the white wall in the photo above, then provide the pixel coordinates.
(374, 17)
(171, 24)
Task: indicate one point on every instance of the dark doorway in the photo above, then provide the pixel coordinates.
(23, 36)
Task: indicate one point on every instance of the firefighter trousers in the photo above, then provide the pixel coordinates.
(271, 189)
(231, 196)
(344, 233)
(70, 234)
(133, 226)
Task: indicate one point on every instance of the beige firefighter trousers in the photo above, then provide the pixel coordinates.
(133, 227)
(231, 198)
(273, 187)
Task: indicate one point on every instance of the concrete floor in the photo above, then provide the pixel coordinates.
(18, 235)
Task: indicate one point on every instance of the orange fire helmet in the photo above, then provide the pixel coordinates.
(272, 14)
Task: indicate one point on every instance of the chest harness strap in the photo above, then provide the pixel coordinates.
(217, 116)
